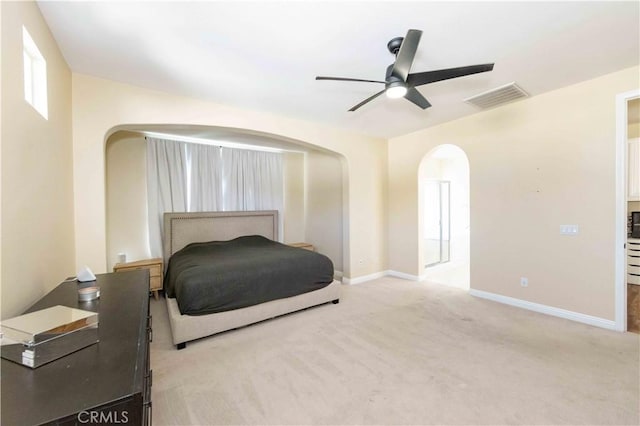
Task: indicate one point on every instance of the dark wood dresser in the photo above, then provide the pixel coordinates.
(105, 383)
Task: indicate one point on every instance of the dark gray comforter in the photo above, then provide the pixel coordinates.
(221, 276)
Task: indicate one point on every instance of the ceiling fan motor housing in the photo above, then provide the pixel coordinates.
(390, 78)
(394, 45)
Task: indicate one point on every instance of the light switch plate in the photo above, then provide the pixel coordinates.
(569, 229)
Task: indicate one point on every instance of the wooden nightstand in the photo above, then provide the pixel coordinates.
(305, 246)
(155, 272)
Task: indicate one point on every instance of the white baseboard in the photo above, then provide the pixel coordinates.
(362, 279)
(403, 275)
(337, 275)
(365, 278)
(519, 303)
(544, 309)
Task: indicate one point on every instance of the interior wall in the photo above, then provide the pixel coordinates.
(454, 168)
(456, 171)
(430, 169)
(535, 164)
(37, 168)
(323, 205)
(102, 106)
(294, 187)
(126, 180)
(126, 200)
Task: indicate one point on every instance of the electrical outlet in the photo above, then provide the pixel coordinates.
(524, 281)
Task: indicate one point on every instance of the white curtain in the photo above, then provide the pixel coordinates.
(191, 177)
(252, 180)
(166, 185)
(205, 178)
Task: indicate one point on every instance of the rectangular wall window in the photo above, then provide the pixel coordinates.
(35, 75)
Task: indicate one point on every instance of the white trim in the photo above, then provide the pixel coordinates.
(364, 278)
(621, 208)
(519, 303)
(548, 310)
(387, 273)
(337, 275)
(403, 275)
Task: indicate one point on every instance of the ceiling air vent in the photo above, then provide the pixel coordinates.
(498, 96)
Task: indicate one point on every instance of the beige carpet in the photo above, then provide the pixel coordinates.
(399, 352)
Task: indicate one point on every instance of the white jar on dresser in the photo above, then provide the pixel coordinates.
(633, 261)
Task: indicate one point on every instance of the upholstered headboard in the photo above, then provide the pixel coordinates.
(181, 229)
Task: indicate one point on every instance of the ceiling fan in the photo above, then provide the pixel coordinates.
(399, 82)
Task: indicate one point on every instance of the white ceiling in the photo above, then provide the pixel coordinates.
(265, 55)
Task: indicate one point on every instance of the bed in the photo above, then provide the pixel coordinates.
(237, 228)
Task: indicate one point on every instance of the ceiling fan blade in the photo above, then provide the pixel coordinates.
(349, 79)
(416, 97)
(405, 56)
(369, 99)
(420, 78)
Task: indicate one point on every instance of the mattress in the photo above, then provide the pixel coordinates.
(221, 276)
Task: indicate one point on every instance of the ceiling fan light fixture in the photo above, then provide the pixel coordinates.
(400, 82)
(396, 90)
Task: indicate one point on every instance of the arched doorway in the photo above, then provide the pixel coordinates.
(444, 216)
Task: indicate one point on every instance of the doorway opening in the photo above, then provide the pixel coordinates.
(627, 130)
(444, 216)
(632, 214)
(437, 224)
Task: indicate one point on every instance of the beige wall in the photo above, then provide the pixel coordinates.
(126, 193)
(37, 168)
(100, 105)
(324, 208)
(534, 165)
(293, 220)
(126, 198)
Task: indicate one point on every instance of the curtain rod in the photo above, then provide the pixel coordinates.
(220, 143)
